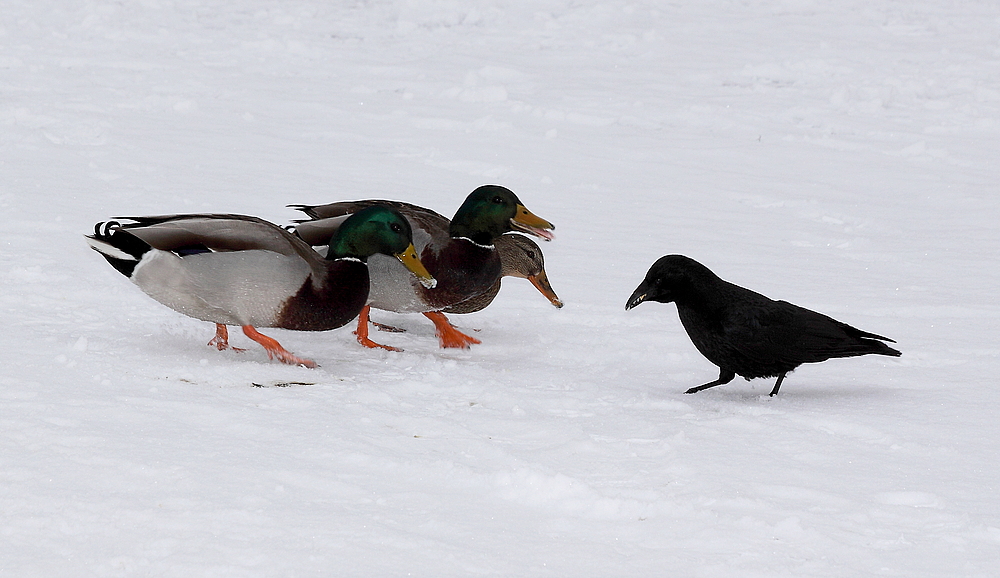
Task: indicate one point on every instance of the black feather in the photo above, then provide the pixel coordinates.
(744, 332)
(112, 233)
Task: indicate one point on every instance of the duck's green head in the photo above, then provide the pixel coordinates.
(491, 211)
(379, 229)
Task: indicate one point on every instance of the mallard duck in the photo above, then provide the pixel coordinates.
(240, 270)
(519, 257)
(460, 253)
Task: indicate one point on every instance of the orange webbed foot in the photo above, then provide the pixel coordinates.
(221, 339)
(448, 336)
(362, 332)
(275, 350)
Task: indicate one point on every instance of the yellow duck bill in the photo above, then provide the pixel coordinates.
(410, 260)
(527, 222)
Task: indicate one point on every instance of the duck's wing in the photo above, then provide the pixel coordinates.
(338, 209)
(185, 234)
(350, 207)
(318, 232)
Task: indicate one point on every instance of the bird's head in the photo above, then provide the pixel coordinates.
(521, 257)
(492, 210)
(668, 280)
(379, 229)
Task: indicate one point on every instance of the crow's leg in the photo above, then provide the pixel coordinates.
(725, 376)
(777, 384)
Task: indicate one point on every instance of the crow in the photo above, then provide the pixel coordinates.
(744, 332)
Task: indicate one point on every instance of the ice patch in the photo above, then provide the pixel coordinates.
(912, 499)
(556, 491)
(80, 344)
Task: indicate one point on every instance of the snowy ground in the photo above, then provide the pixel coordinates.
(841, 155)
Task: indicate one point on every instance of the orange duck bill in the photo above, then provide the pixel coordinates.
(541, 282)
(527, 222)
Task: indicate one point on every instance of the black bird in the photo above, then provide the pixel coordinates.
(744, 332)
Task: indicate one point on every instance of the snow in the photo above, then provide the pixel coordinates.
(840, 155)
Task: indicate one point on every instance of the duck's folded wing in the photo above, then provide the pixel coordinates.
(341, 208)
(319, 231)
(216, 233)
(338, 209)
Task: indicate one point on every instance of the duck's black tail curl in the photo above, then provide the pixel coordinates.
(122, 249)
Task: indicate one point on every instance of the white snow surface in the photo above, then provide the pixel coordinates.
(841, 155)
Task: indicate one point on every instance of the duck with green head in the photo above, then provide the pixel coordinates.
(241, 270)
(460, 253)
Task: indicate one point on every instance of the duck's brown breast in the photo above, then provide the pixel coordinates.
(331, 305)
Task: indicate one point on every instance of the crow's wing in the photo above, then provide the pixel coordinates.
(781, 332)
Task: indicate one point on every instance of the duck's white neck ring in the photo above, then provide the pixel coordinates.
(477, 244)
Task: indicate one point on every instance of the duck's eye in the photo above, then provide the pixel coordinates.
(531, 254)
(396, 228)
(498, 200)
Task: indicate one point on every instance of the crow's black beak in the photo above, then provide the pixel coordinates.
(637, 297)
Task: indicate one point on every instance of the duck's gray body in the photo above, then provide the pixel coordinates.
(234, 270)
(217, 286)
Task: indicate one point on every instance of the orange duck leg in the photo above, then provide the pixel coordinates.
(362, 332)
(221, 339)
(447, 334)
(274, 349)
